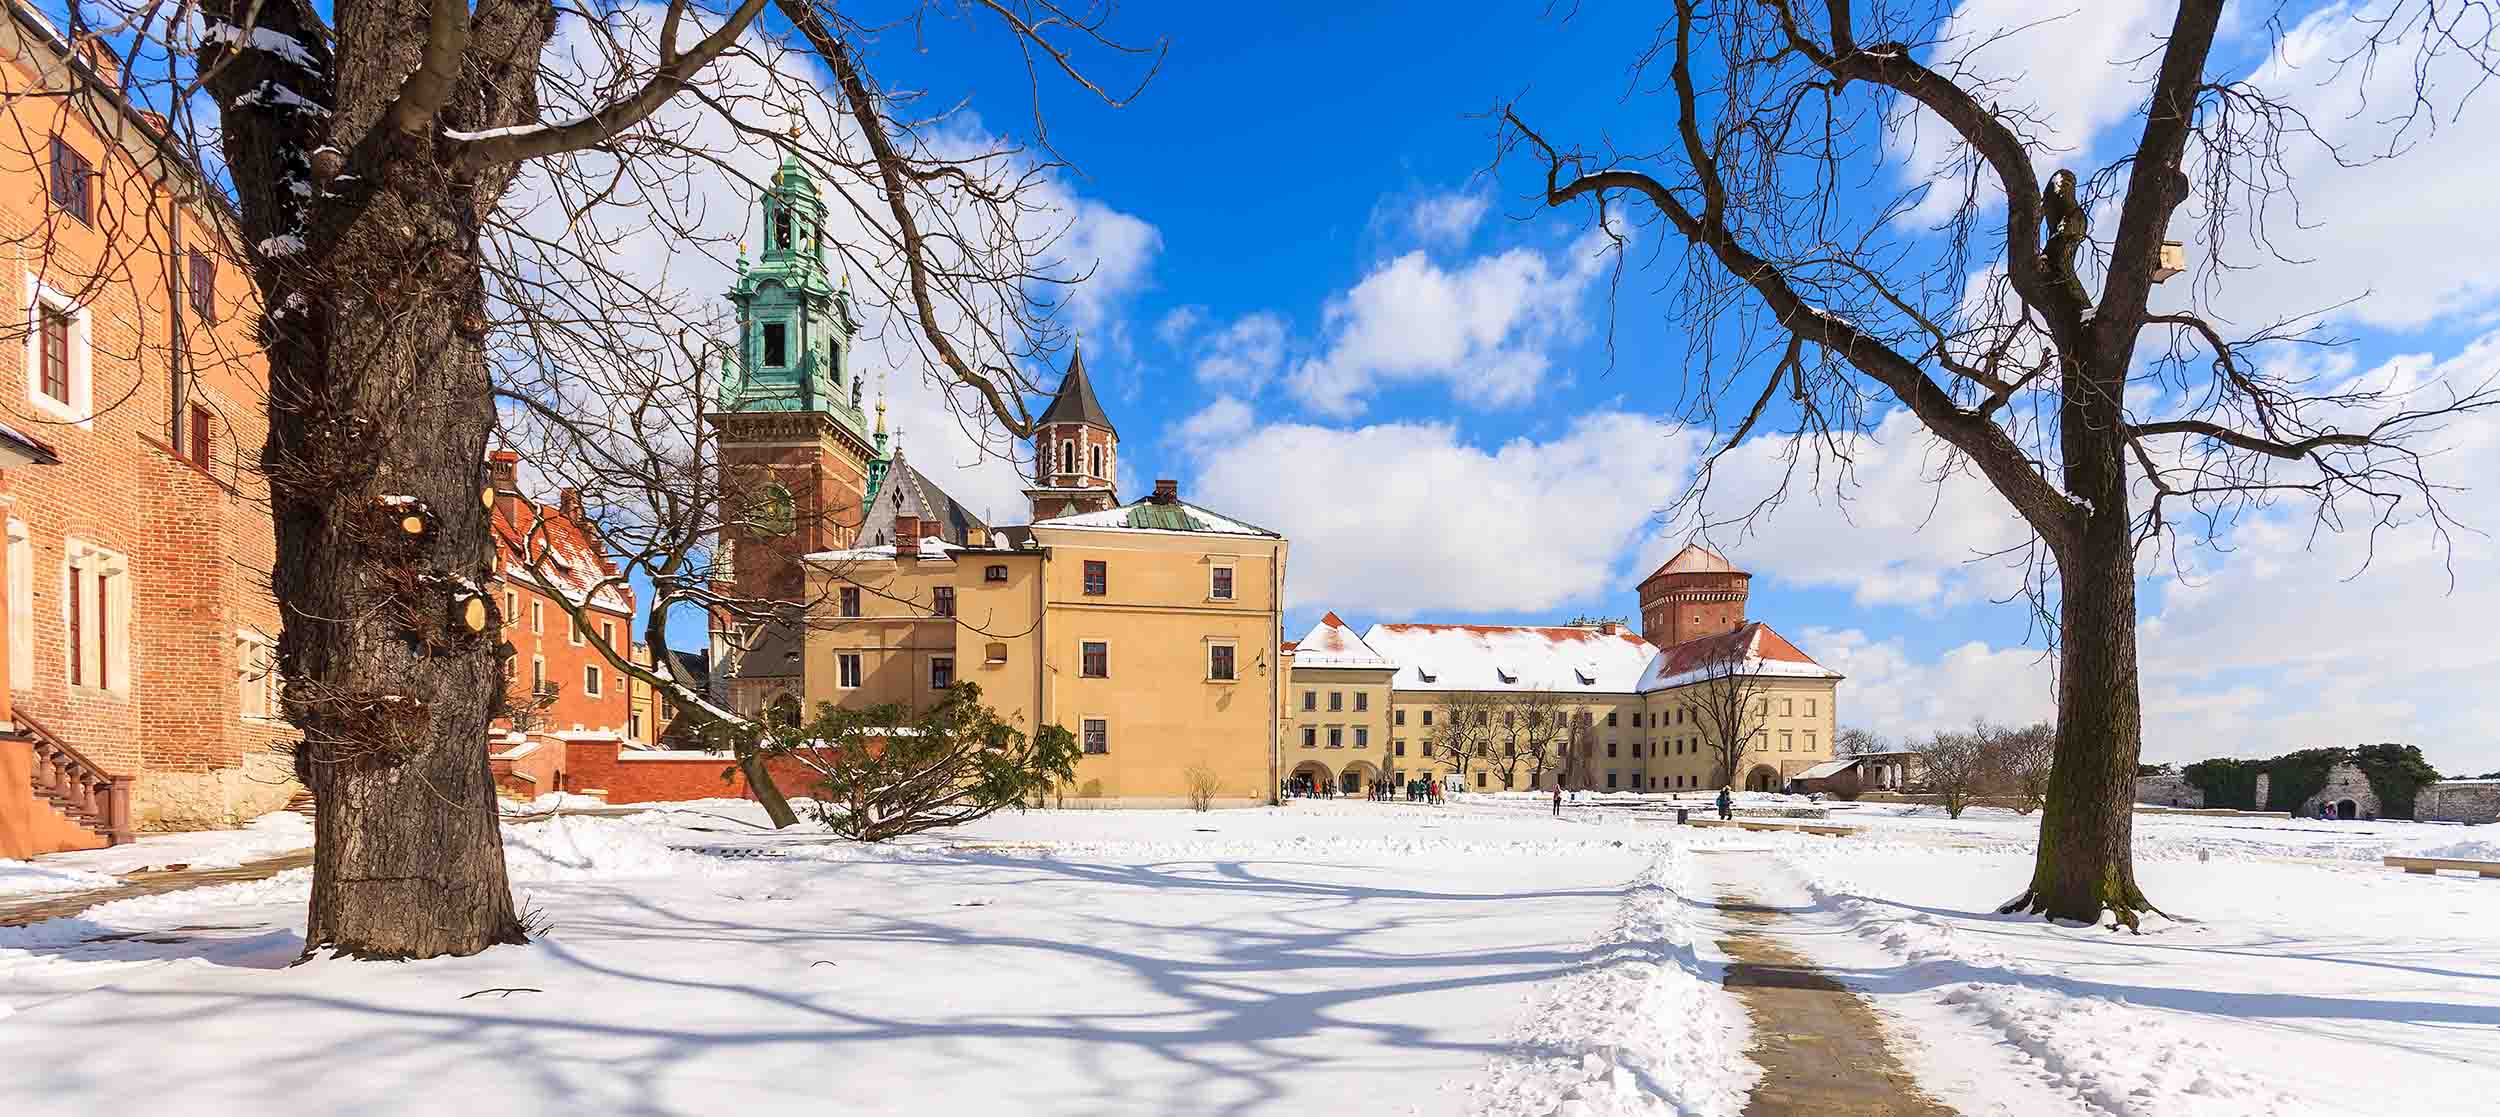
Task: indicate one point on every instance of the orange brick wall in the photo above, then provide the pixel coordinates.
(596, 766)
(573, 708)
(197, 539)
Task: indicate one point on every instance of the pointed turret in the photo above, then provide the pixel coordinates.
(1075, 449)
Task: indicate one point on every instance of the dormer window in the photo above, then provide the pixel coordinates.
(776, 345)
(1504, 675)
(1585, 678)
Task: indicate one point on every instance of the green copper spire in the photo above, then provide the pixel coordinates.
(794, 327)
(878, 464)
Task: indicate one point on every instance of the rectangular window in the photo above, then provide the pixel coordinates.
(850, 601)
(73, 181)
(942, 600)
(1336, 736)
(1310, 736)
(1097, 660)
(1610, 781)
(21, 605)
(1398, 746)
(1809, 707)
(1310, 700)
(511, 607)
(1336, 700)
(203, 286)
(776, 345)
(538, 617)
(572, 630)
(1788, 741)
(941, 672)
(607, 633)
(1610, 719)
(256, 670)
(1427, 717)
(846, 670)
(77, 631)
(1610, 750)
(1097, 736)
(1636, 750)
(54, 378)
(1788, 707)
(995, 572)
(1220, 662)
(99, 617)
(590, 679)
(201, 447)
(538, 674)
(1097, 578)
(1397, 717)
(1362, 701)
(1809, 740)
(1362, 737)
(1220, 583)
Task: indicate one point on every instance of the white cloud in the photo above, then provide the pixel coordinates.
(1902, 698)
(1178, 323)
(1902, 537)
(1223, 419)
(1447, 219)
(1482, 327)
(1242, 357)
(1398, 520)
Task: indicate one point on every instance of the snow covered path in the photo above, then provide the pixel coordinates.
(1383, 979)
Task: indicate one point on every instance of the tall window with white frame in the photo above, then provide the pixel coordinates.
(1095, 656)
(1097, 736)
(846, 669)
(1220, 663)
(21, 604)
(591, 680)
(1220, 583)
(941, 672)
(98, 607)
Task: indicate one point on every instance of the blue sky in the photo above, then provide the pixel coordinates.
(1312, 187)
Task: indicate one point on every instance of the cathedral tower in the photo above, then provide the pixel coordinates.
(1076, 452)
(795, 452)
(1697, 593)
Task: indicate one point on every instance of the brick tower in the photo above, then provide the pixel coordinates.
(1076, 452)
(795, 451)
(1697, 593)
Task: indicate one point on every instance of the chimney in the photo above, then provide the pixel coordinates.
(99, 57)
(1609, 628)
(569, 504)
(1167, 491)
(977, 536)
(503, 470)
(907, 537)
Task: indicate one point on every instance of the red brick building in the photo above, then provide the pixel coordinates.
(139, 624)
(561, 680)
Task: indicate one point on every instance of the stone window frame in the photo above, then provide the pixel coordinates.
(21, 603)
(1083, 654)
(1091, 730)
(79, 409)
(1232, 659)
(257, 682)
(107, 622)
(850, 670)
(594, 682)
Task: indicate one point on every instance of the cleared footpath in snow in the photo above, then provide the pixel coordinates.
(1321, 958)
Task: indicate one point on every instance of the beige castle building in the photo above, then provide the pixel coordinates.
(1638, 697)
(1148, 629)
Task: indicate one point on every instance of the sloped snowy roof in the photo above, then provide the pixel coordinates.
(1150, 515)
(1828, 769)
(1332, 644)
(1589, 660)
(541, 547)
(1764, 652)
(1510, 657)
(931, 547)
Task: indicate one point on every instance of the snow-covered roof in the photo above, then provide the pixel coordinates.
(1828, 769)
(22, 448)
(1763, 652)
(931, 547)
(1153, 515)
(1510, 657)
(1332, 644)
(545, 549)
(1572, 658)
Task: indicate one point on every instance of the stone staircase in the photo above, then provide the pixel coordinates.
(76, 789)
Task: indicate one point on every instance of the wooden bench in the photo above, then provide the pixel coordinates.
(1755, 824)
(2428, 865)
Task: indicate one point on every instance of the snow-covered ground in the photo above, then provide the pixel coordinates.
(1324, 957)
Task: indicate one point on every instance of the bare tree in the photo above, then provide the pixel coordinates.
(1544, 732)
(1959, 769)
(528, 710)
(431, 198)
(1852, 740)
(1819, 317)
(1464, 734)
(1728, 700)
(2022, 760)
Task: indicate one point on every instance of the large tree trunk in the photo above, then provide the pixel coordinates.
(366, 251)
(759, 779)
(2086, 859)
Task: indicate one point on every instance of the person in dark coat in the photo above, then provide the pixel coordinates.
(1727, 805)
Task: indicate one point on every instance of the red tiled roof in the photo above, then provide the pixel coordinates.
(562, 555)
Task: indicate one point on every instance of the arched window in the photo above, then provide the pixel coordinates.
(781, 229)
(1097, 461)
(1067, 456)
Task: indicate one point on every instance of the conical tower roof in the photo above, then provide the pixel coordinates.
(1075, 402)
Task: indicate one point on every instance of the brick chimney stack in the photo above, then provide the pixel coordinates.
(1167, 491)
(906, 537)
(503, 470)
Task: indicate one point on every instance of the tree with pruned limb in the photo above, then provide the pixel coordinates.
(2021, 330)
(1728, 702)
(439, 201)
